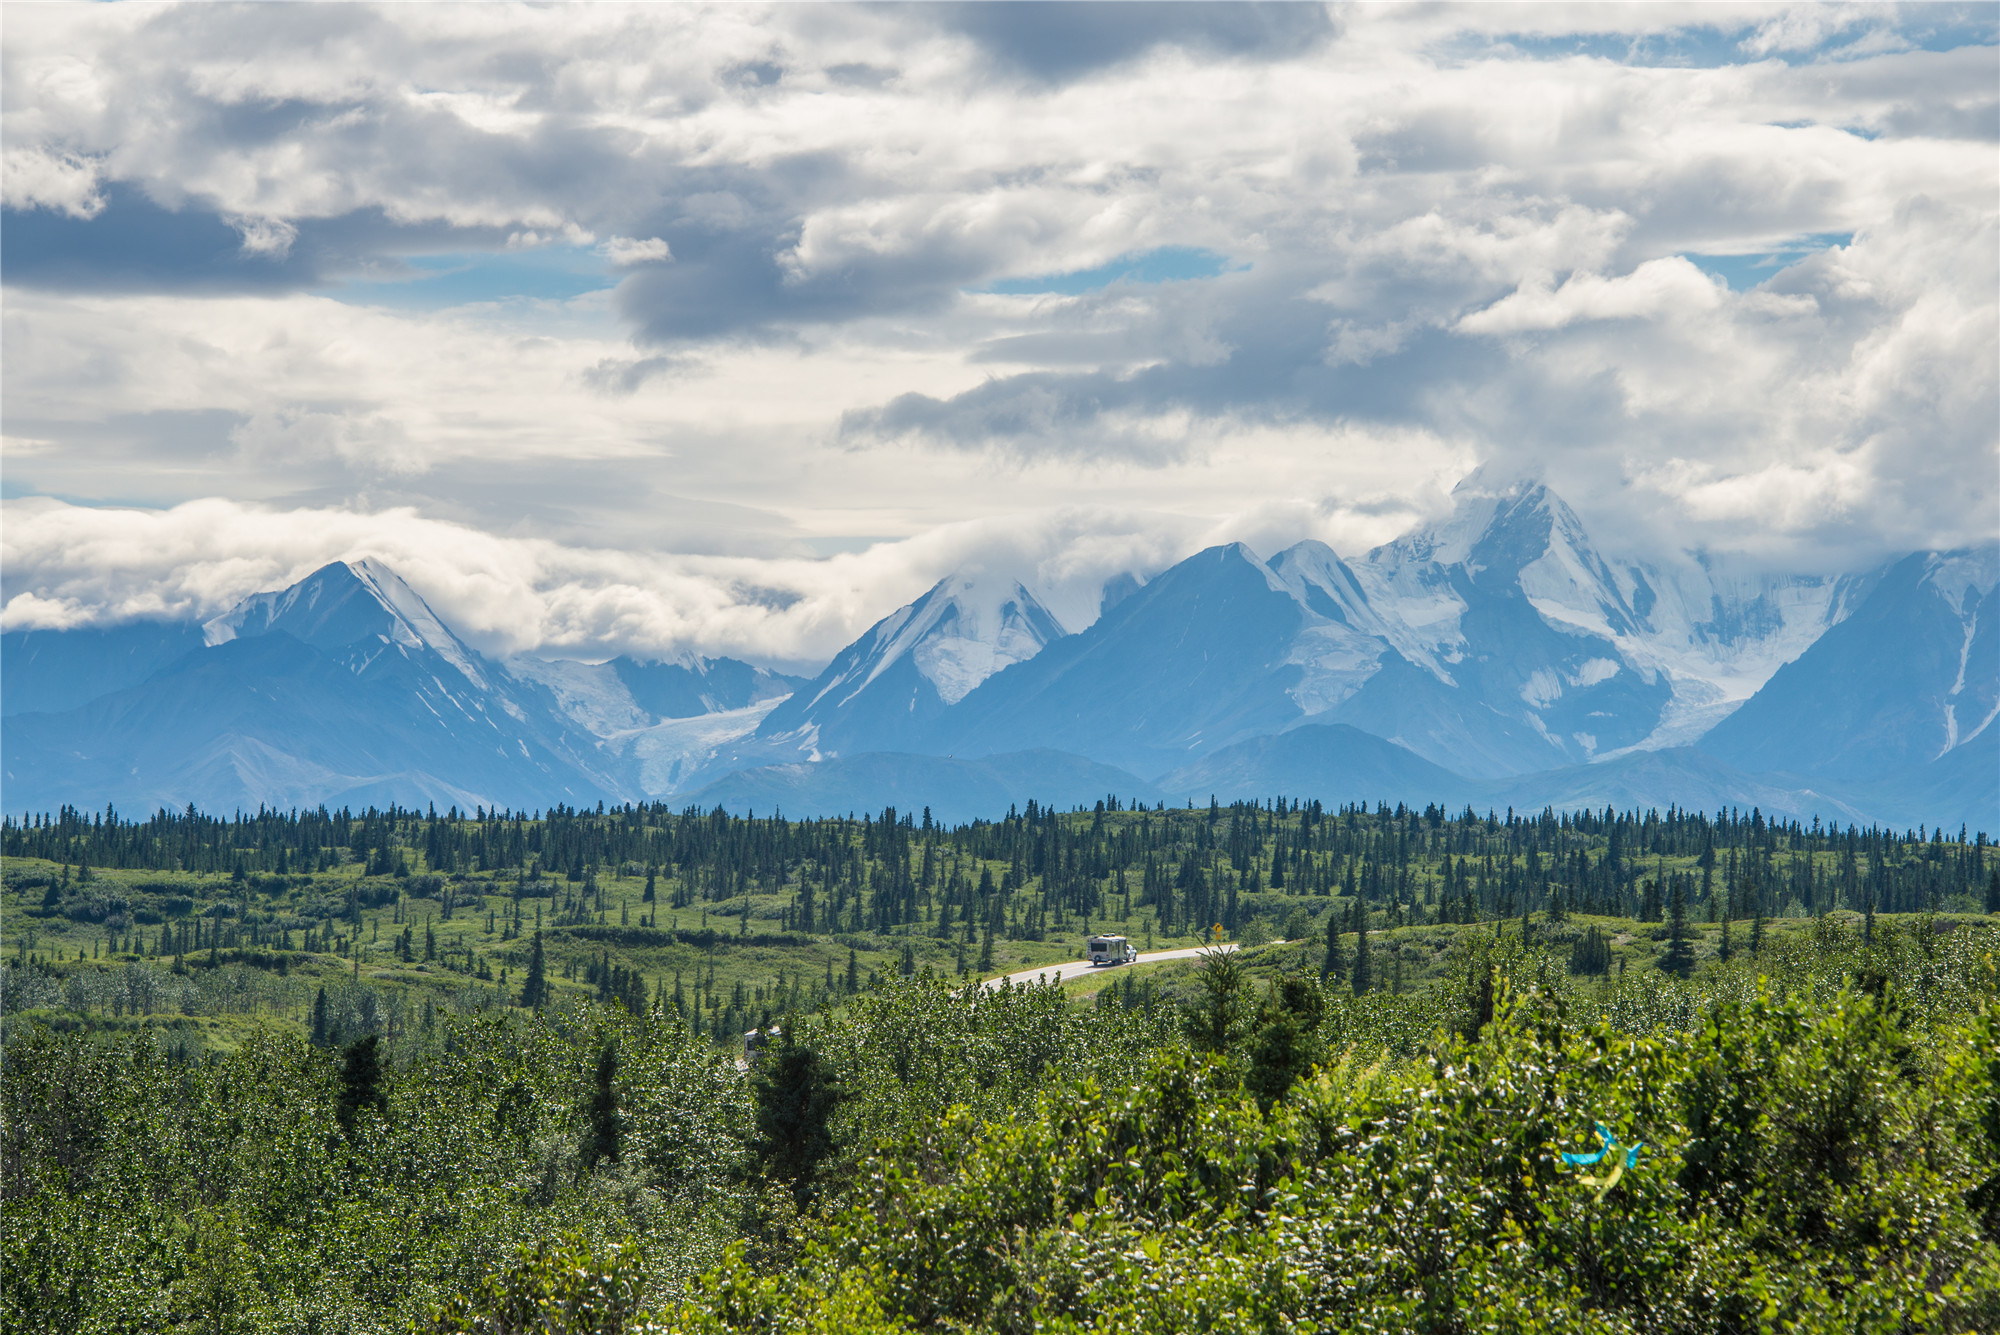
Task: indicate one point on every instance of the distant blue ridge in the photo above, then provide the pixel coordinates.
(1169, 264)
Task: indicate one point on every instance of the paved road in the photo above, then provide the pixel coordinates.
(1057, 973)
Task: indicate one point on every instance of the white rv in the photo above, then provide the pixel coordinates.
(1110, 950)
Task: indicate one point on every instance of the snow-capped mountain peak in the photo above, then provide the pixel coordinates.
(346, 604)
(957, 635)
(885, 690)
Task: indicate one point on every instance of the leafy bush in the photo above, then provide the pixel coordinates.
(1805, 1167)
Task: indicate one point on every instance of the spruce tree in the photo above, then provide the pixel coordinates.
(1757, 934)
(1993, 891)
(1286, 1043)
(1216, 1020)
(1590, 953)
(607, 1126)
(1335, 966)
(360, 1083)
(796, 1097)
(535, 991)
(1363, 970)
(1679, 959)
(319, 1029)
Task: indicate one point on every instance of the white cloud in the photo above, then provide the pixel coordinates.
(1441, 251)
(1656, 289)
(86, 564)
(1805, 27)
(37, 178)
(271, 237)
(626, 252)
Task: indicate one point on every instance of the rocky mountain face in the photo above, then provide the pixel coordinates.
(1496, 658)
(345, 688)
(1500, 648)
(1500, 642)
(889, 690)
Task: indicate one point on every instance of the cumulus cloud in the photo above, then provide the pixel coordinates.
(625, 252)
(38, 178)
(69, 565)
(1447, 237)
(266, 236)
(1655, 289)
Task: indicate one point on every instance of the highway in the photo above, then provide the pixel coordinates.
(1058, 973)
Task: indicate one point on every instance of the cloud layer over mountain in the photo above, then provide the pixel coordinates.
(731, 330)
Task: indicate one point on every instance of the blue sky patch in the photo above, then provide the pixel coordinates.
(436, 282)
(1743, 272)
(1944, 27)
(1169, 264)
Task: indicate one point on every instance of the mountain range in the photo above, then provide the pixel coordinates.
(1495, 659)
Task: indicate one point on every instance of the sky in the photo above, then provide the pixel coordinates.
(661, 329)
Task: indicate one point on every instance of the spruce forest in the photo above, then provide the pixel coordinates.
(383, 1070)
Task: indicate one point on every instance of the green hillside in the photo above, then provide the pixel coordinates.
(730, 922)
(283, 1073)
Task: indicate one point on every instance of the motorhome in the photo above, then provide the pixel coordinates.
(1110, 950)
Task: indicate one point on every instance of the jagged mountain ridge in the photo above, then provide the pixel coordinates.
(1911, 676)
(1500, 642)
(888, 689)
(345, 687)
(1498, 648)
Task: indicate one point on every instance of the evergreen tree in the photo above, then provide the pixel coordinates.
(1757, 934)
(1335, 965)
(1993, 891)
(1364, 978)
(607, 1125)
(320, 1036)
(1679, 959)
(1215, 1022)
(360, 1083)
(1590, 953)
(1725, 948)
(853, 972)
(796, 1097)
(535, 991)
(1286, 1044)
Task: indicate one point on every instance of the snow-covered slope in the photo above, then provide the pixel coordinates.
(344, 688)
(615, 697)
(1545, 650)
(358, 609)
(1196, 659)
(887, 690)
(659, 721)
(1910, 677)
